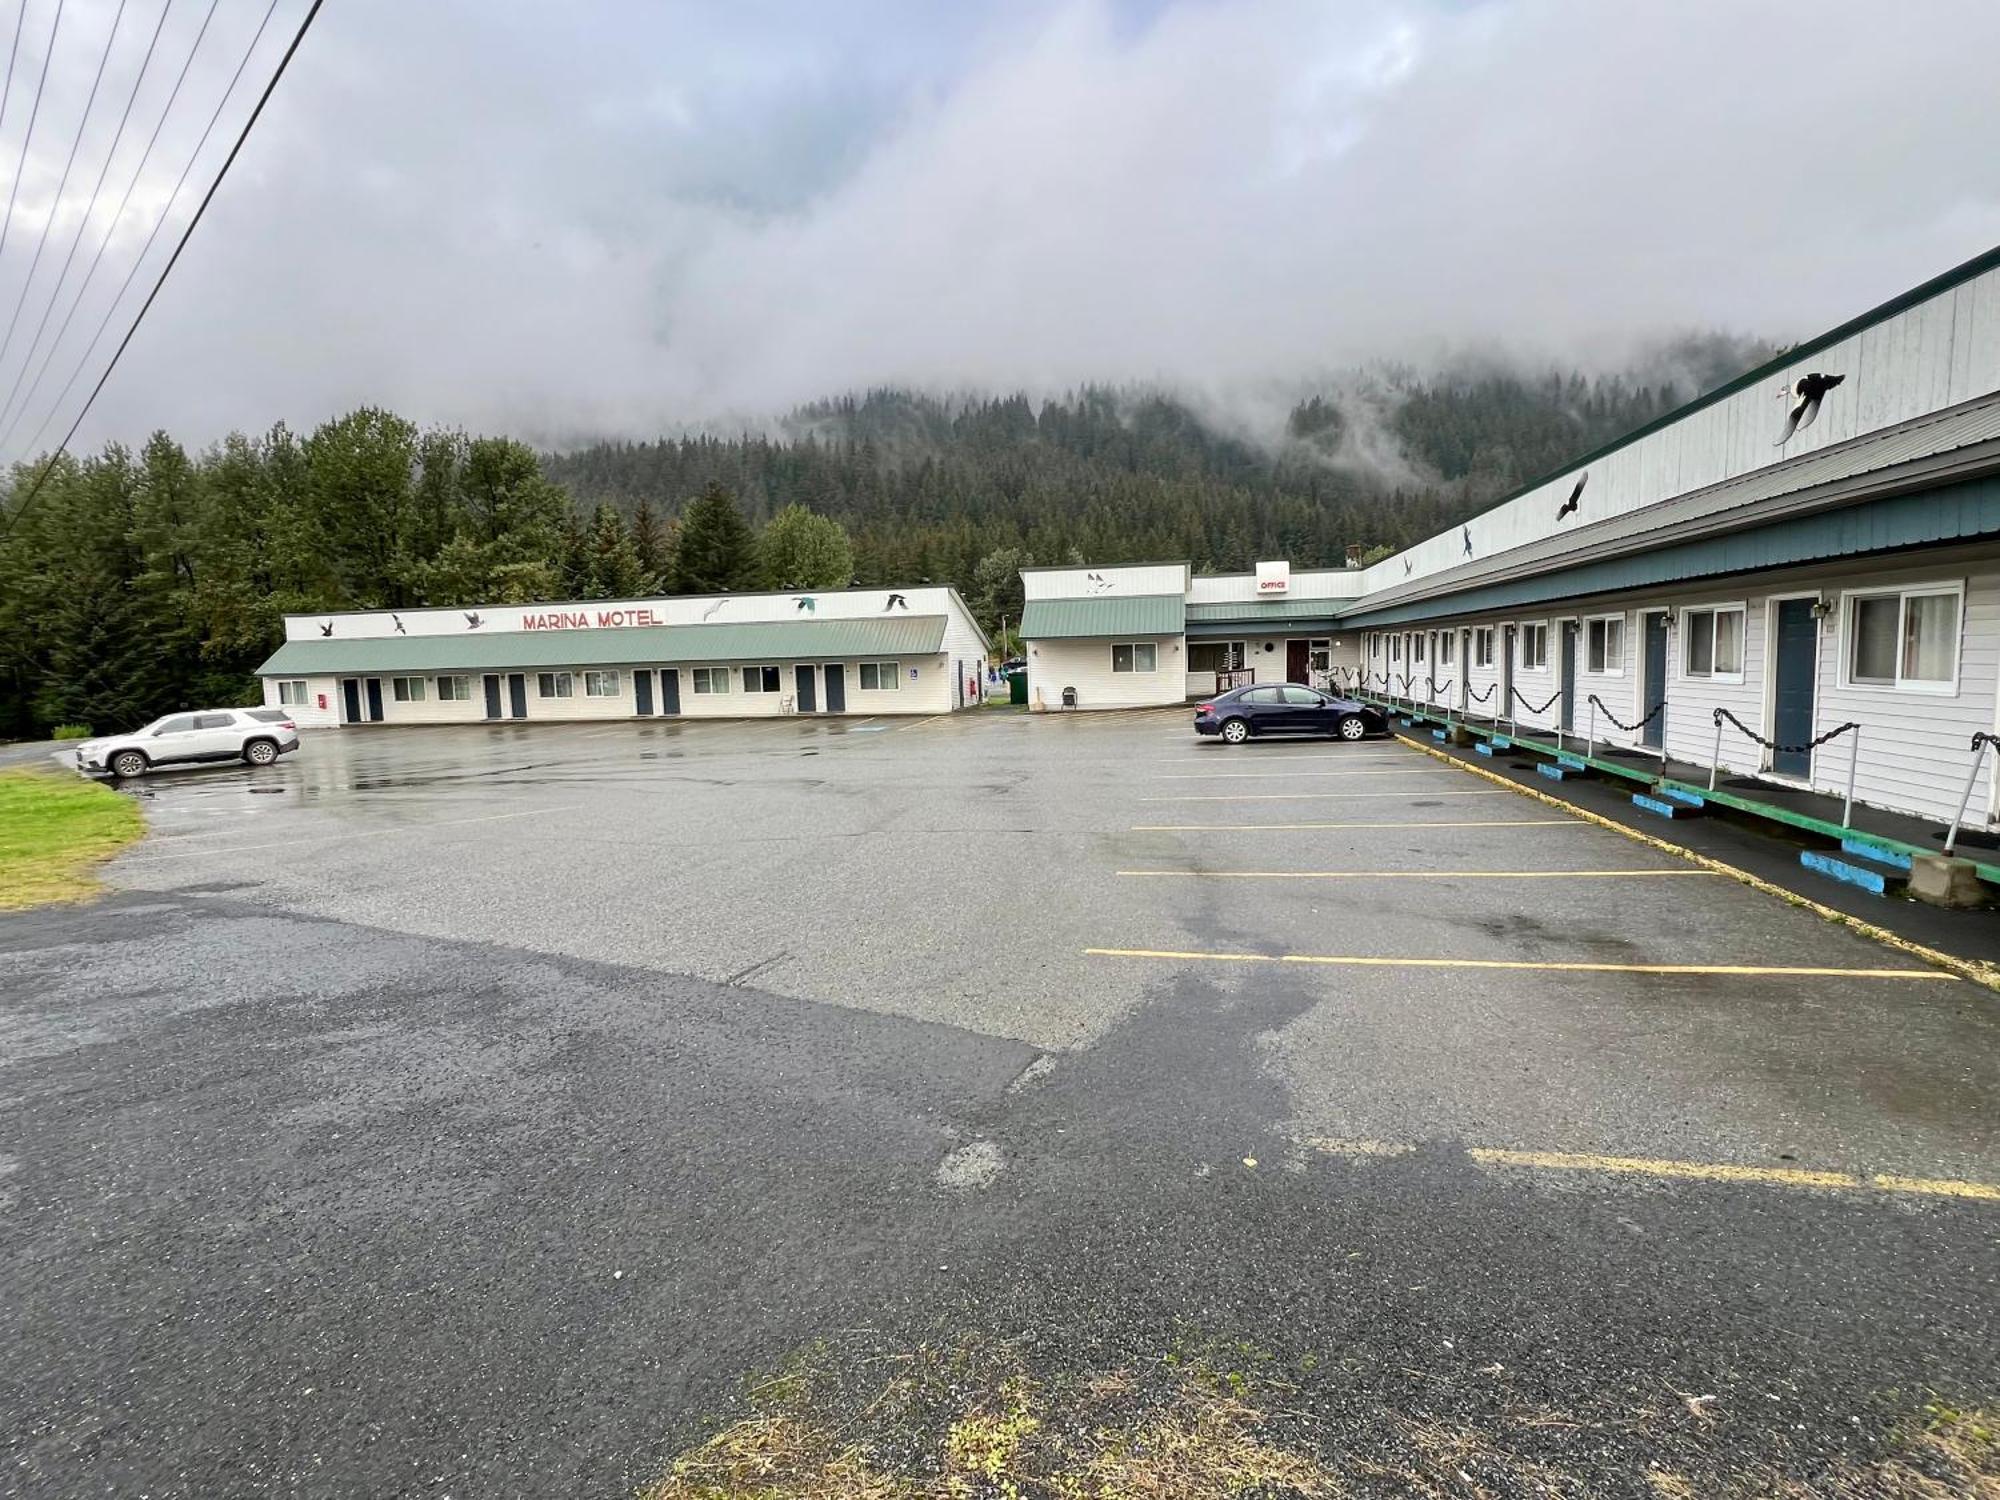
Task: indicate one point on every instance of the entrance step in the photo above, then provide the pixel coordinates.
(1876, 855)
(1851, 870)
(1682, 797)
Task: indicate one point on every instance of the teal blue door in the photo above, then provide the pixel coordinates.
(1795, 668)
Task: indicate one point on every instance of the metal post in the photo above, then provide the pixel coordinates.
(1715, 760)
(1853, 758)
(1951, 838)
(1590, 745)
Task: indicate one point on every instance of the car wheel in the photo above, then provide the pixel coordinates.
(1235, 731)
(127, 764)
(260, 752)
(1352, 728)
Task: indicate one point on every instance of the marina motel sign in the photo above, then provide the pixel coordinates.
(581, 619)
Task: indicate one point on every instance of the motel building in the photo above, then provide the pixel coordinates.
(840, 651)
(1788, 585)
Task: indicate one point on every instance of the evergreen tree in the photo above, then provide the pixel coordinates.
(650, 546)
(614, 562)
(715, 551)
(799, 550)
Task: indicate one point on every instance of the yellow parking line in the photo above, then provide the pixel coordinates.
(1316, 796)
(1672, 1169)
(1424, 874)
(1297, 827)
(1700, 1171)
(1360, 961)
(1293, 775)
(1977, 970)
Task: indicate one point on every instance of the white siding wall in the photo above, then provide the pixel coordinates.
(1086, 666)
(1617, 685)
(309, 715)
(1108, 582)
(964, 646)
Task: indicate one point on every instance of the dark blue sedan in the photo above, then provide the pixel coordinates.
(1285, 708)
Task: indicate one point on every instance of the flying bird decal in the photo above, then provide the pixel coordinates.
(326, 627)
(1468, 539)
(1408, 566)
(713, 608)
(397, 621)
(472, 621)
(807, 603)
(1097, 581)
(1806, 397)
(896, 601)
(1575, 497)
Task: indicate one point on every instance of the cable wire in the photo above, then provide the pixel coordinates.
(104, 243)
(14, 51)
(7, 224)
(187, 234)
(55, 203)
(97, 188)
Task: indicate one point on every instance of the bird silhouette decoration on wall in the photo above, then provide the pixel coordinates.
(397, 621)
(896, 601)
(1467, 530)
(1569, 506)
(1097, 582)
(713, 608)
(807, 603)
(326, 627)
(472, 620)
(1408, 567)
(1805, 397)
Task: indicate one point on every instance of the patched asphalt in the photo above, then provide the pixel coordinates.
(473, 1112)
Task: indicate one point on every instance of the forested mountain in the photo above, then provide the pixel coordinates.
(139, 582)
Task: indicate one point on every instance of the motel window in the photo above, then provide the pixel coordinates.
(1713, 642)
(407, 689)
(454, 689)
(555, 685)
(1907, 639)
(1482, 647)
(1416, 650)
(1395, 648)
(879, 676)
(1535, 648)
(293, 691)
(760, 679)
(600, 684)
(1444, 648)
(1140, 656)
(1604, 645)
(1215, 656)
(711, 679)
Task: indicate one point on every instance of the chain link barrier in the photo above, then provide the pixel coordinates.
(1720, 714)
(1633, 728)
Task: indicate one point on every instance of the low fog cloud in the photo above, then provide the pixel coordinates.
(568, 223)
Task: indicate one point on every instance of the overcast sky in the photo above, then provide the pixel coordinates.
(563, 219)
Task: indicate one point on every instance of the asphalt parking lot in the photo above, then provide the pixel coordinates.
(455, 1110)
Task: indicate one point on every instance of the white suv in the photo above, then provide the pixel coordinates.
(256, 735)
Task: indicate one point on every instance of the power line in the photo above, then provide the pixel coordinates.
(34, 110)
(7, 89)
(111, 228)
(138, 261)
(89, 213)
(55, 203)
(187, 234)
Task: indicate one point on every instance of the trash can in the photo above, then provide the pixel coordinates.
(1017, 688)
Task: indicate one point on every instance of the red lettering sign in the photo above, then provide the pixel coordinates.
(607, 619)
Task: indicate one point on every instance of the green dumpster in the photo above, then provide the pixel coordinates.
(1017, 687)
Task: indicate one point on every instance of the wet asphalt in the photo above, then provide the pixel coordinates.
(473, 1111)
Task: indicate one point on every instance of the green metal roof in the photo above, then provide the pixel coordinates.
(1104, 615)
(1957, 513)
(1256, 611)
(750, 641)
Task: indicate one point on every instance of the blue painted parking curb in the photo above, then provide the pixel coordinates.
(1685, 798)
(1485, 750)
(1653, 805)
(1889, 857)
(1554, 773)
(1872, 881)
(1438, 735)
(1500, 744)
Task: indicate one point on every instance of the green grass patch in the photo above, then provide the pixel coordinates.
(71, 732)
(54, 831)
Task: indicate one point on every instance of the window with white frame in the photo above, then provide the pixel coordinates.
(760, 679)
(600, 684)
(1416, 650)
(1395, 648)
(1712, 642)
(880, 676)
(1904, 638)
(454, 689)
(554, 685)
(711, 679)
(1139, 656)
(1482, 646)
(1604, 645)
(1215, 656)
(1535, 647)
(407, 689)
(1445, 639)
(293, 691)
